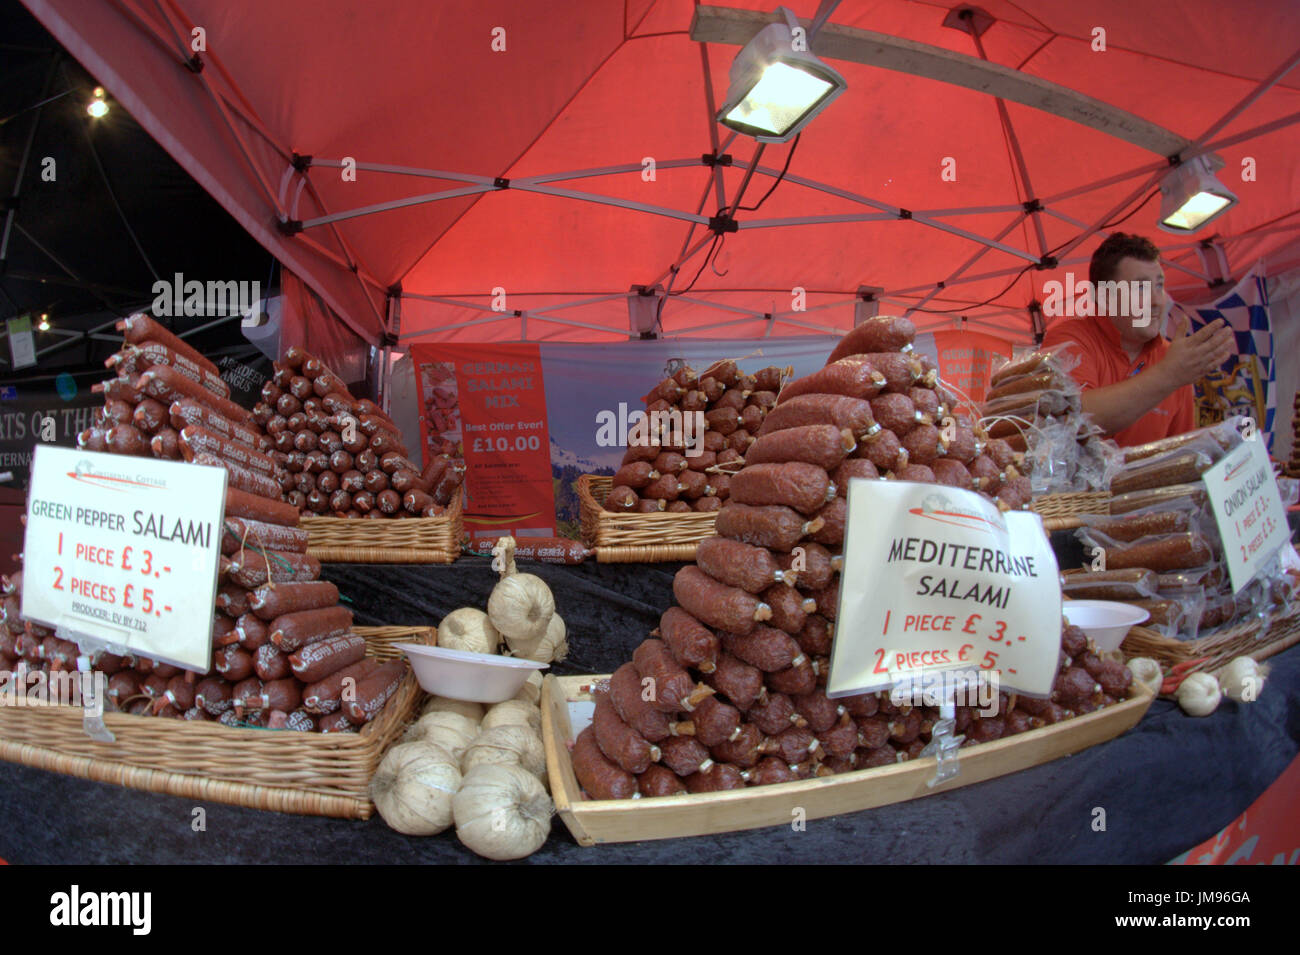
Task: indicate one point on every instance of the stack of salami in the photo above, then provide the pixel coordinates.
(27, 647)
(343, 457)
(1159, 546)
(282, 644)
(663, 472)
(730, 691)
(1034, 405)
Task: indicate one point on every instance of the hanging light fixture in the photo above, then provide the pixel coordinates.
(1192, 195)
(777, 86)
(44, 324)
(98, 105)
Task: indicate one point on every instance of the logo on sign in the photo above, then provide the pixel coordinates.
(942, 508)
(86, 473)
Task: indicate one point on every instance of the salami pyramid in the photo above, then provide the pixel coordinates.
(729, 691)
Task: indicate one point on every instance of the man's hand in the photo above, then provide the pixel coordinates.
(1192, 357)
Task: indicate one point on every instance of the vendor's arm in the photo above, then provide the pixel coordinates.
(1190, 357)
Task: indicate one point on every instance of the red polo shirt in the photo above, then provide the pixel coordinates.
(1096, 344)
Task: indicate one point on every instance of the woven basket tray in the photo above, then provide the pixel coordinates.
(413, 540)
(1254, 638)
(637, 538)
(1071, 505)
(314, 774)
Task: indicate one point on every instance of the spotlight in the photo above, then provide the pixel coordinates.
(777, 85)
(98, 106)
(44, 324)
(1191, 195)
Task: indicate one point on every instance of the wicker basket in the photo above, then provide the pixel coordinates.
(315, 774)
(1071, 505)
(1254, 638)
(637, 538)
(414, 540)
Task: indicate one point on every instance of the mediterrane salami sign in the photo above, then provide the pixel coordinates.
(936, 578)
(1248, 509)
(123, 552)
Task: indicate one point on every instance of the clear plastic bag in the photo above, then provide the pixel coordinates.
(1133, 584)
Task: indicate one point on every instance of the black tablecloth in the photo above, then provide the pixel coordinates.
(1165, 786)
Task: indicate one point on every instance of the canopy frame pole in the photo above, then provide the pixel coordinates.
(498, 317)
(719, 187)
(957, 272)
(1248, 100)
(1083, 225)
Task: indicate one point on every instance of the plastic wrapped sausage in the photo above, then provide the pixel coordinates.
(856, 377)
(794, 484)
(1131, 584)
(1140, 524)
(716, 604)
(692, 644)
(774, 527)
(600, 778)
(881, 333)
(736, 564)
(1161, 554)
(852, 414)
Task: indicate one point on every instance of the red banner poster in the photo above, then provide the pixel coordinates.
(1268, 833)
(967, 360)
(487, 403)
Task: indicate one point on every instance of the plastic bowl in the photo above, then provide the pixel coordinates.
(1105, 621)
(461, 675)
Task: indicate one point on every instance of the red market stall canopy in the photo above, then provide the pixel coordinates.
(507, 170)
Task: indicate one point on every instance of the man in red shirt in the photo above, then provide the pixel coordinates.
(1136, 385)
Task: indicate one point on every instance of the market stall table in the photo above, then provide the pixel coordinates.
(1165, 786)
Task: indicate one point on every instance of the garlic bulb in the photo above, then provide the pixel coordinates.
(451, 731)
(502, 812)
(520, 605)
(508, 743)
(445, 704)
(531, 691)
(470, 630)
(1242, 680)
(1147, 672)
(514, 712)
(414, 787)
(548, 647)
(1199, 695)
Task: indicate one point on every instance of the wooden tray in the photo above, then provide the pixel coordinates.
(637, 538)
(632, 820)
(314, 774)
(412, 540)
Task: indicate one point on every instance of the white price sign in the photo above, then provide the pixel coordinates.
(937, 578)
(123, 552)
(1248, 509)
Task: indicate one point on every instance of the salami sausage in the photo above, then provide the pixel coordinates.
(233, 662)
(372, 693)
(850, 469)
(856, 377)
(790, 608)
(167, 384)
(739, 682)
(140, 328)
(252, 632)
(659, 781)
(149, 415)
(803, 487)
(816, 565)
(897, 413)
(635, 475)
(619, 742)
(715, 722)
(743, 750)
(252, 569)
(318, 660)
(821, 445)
(671, 689)
(238, 476)
(882, 333)
(213, 694)
(774, 527)
(793, 745)
(1161, 554)
(664, 488)
(166, 444)
(126, 439)
(885, 452)
(325, 696)
(719, 777)
(924, 445)
(600, 778)
(821, 713)
(737, 564)
(793, 680)
(952, 473)
(292, 631)
(93, 439)
(133, 359)
(851, 414)
(716, 604)
(627, 693)
(269, 663)
(833, 517)
(691, 643)
(767, 648)
(196, 440)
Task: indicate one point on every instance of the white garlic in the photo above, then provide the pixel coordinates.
(452, 731)
(1147, 672)
(502, 811)
(513, 712)
(1199, 695)
(1242, 680)
(414, 786)
(470, 630)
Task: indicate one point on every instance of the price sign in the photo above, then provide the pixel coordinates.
(1248, 509)
(936, 578)
(122, 552)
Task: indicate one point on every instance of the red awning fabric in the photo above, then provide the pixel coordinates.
(507, 89)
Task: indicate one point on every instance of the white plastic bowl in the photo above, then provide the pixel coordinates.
(1105, 621)
(461, 675)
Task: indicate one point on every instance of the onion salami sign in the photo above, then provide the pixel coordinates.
(1248, 509)
(123, 552)
(936, 578)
